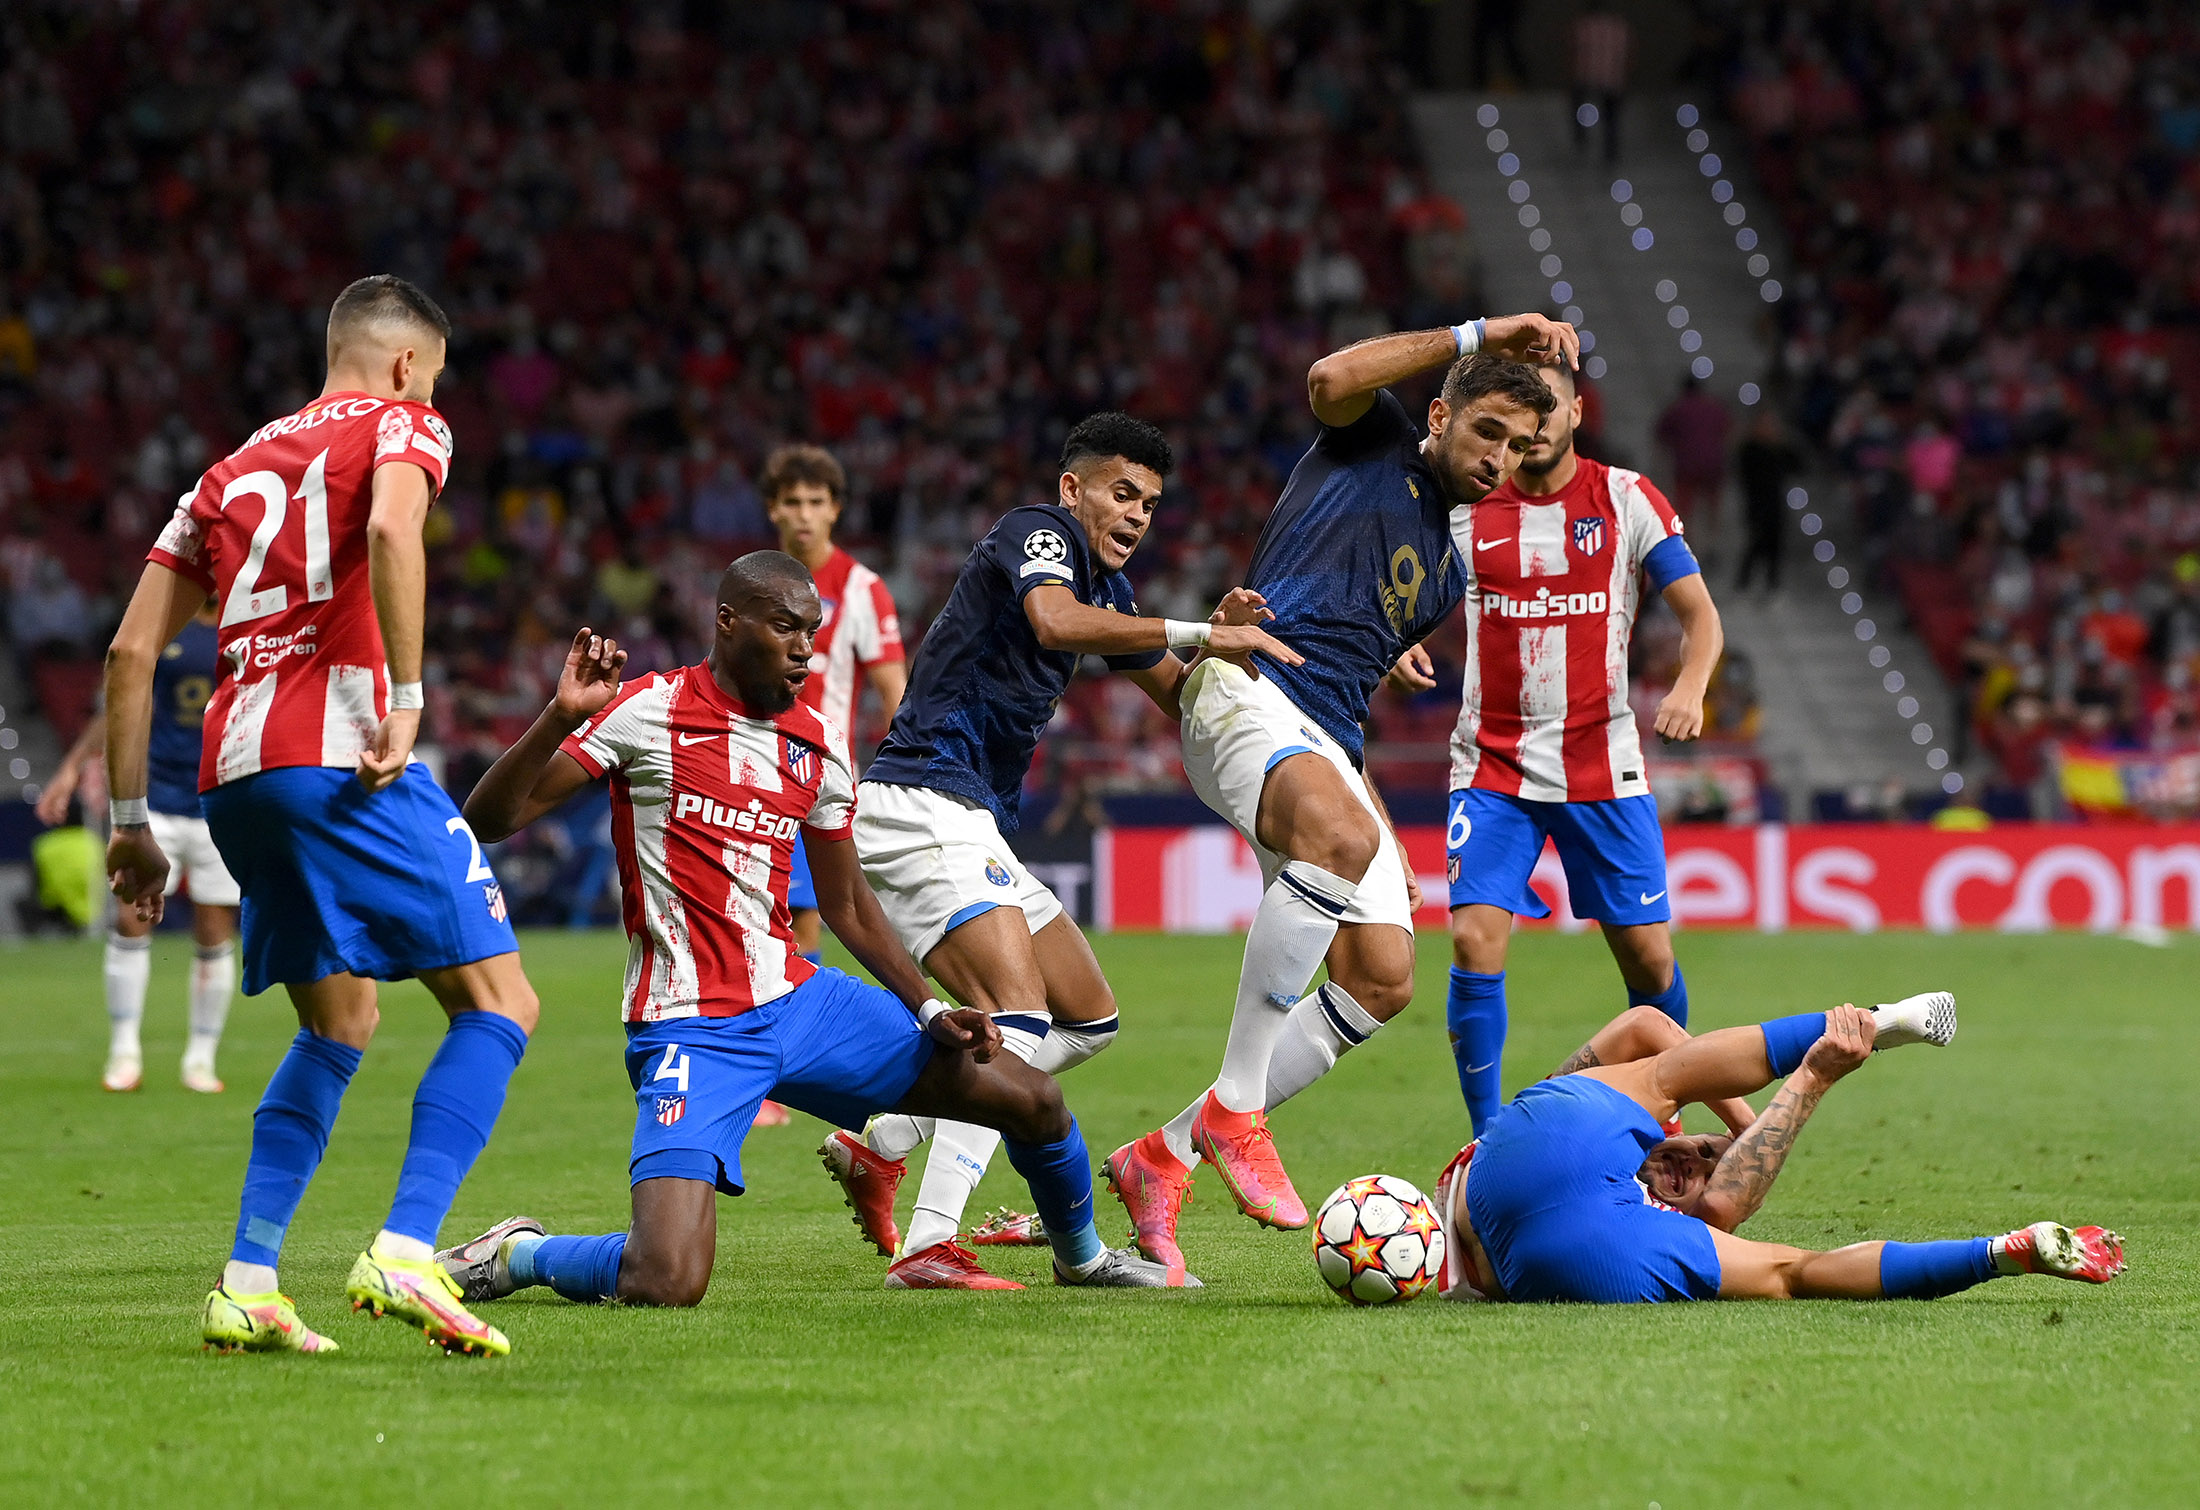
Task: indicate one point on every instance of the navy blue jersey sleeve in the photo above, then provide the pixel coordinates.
(1114, 591)
(1385, 426)
(1035, 547)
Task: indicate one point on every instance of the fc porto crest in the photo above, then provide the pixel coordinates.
(996, 872)
(1589, 534)
(801, 761)
(671, 1109)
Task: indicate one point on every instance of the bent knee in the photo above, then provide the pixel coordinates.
(1479, 936)
(1649, 1029)
(676, 1283)
(1039, 1113)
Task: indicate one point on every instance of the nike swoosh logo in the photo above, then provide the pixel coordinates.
(1483, 545)
(696, 739)
(1648, 897)
(1476, 1069)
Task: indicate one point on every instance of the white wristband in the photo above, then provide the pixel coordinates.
(1469, 336)
(1185, 635)
(932, 1008)
(127, 812)
(404, 695)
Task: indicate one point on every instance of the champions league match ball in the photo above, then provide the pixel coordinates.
(1376, 1240)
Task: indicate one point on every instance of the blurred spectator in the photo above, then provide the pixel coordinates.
(1600, 54)
(1693, 429)
(1764, 462)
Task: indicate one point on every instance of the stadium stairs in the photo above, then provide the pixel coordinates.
(1830, 722)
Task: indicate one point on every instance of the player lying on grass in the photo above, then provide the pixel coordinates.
(1359, 560)
(713, 769)
(1574, 1192)
(1041, 591)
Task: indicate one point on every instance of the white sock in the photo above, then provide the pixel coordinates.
(1176, 1134)
(129, 964)
(1291, 932)
(961, 1151)
(213, 982)
(1325, 1025)
(388, 1244)
(893, 1136)
(241, 1278)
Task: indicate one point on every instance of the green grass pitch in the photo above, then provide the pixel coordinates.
(2069, 1093)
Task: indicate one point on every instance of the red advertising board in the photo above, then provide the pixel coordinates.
(2018, 878)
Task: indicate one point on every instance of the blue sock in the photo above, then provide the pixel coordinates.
(1060, 1177)
(289, 1134)
(1475, 1012)
(1672, 1001)
(1927, 1271)
(1788, 1039)
(814, 956)
(456, 1105)
(585, 1269)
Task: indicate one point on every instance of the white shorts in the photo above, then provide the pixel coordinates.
(1237, 728)
(937, 861)
(189, 846)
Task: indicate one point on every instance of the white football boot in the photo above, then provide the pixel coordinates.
(1127, 1269)
(1928, 1017)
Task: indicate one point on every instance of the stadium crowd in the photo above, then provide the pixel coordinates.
(929, 238)
(1995, 333)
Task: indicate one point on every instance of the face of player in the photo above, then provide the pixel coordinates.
(1114, 500)
(1678, 1170)
(1555, 442)
(1475, 450)
(804, 513)
(764, 644)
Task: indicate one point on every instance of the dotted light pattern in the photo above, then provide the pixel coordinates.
(1551, 265)
(1759, 267)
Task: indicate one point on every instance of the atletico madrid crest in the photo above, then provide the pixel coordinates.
(1589, 534)
(671, 1109)
(801, 761)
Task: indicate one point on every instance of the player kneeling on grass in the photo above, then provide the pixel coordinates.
(713, 768)
(1574, 1193)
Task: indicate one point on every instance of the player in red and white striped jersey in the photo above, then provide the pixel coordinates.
(352, 863)
(860, 633)
(1546, 745)
(713, 769)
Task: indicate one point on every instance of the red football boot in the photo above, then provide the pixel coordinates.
(1009, 1229)
(1153, 1188)
(944, 1266)
(1238, 1145)
(870, 1182)
(2092, 1255)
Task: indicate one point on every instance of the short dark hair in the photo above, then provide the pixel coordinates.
(385, 296)
(1480, 375)
(1100, 436)
(760, 571)
(789, 465)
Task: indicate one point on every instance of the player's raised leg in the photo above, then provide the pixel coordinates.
(492, 1012)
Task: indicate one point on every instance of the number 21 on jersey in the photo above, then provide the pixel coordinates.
(247, 599)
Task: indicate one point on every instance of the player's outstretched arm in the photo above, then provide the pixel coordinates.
(1703, 641)
(849, 907)
(53, 797)
(1342, 386)
(1745, 1173)
(1064, 622)
(534, 775)
(164, 601)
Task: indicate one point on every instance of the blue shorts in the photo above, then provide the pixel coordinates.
(835, 1047)
(1613, 851)
(332, 879)
(801, 893)
(1553, 1196)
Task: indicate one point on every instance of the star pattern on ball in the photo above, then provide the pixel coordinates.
(1365, 1252)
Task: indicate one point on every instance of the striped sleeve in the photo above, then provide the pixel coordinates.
(634, 722)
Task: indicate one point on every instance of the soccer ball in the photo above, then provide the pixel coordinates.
(1376, 1240)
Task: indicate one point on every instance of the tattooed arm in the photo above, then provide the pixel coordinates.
(1638, 1033)
(1745, 1173)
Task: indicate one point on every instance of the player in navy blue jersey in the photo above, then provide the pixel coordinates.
(1357, 562)
(183, 682)
(1044, 588)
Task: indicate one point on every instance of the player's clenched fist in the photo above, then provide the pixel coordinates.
(1846, 1043)
(137, 872)
(1680, 715)
(590, 679)
(966, 1028)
